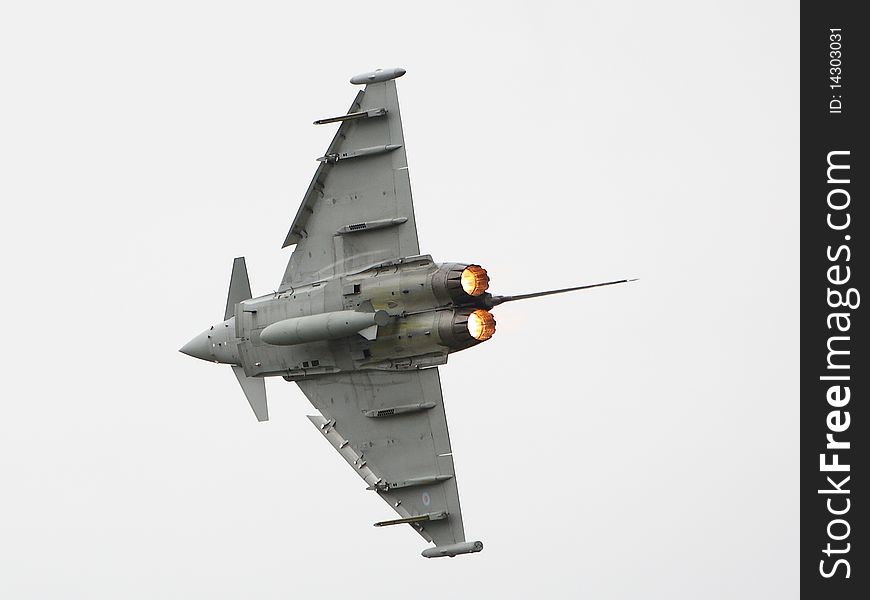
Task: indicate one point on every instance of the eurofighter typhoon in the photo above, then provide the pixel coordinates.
(362, 320)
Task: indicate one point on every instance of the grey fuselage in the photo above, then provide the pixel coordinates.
(427, 313)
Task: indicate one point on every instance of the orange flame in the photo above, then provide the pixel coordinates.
(481, 325)
(475, 281)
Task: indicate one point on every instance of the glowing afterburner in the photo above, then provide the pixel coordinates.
(481, 325)
(475, 281)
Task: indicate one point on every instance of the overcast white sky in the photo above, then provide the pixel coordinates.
(634, 441)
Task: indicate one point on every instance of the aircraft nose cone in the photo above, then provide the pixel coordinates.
(199, 347)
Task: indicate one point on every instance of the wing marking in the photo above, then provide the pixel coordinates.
(405, 457)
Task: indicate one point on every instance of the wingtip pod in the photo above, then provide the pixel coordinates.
(453, 549)
(377, 76)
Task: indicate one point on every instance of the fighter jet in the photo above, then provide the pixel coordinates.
(362, 320)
